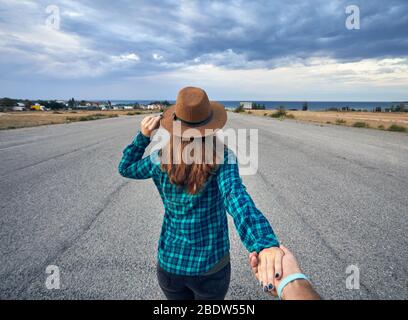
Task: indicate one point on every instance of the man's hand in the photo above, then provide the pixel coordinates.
(149, 124)
(270, 267)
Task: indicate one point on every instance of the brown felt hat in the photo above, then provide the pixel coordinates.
(193, 110)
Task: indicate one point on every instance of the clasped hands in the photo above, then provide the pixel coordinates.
(272, 265)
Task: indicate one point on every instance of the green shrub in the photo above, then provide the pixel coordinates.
(397, 128)
(281, 113)
(239, 109)
(133, 113)
(360, 125)
(340, 121)
(91, 117)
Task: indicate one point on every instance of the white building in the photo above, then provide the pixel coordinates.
(246, 105)
(18, 108)
(153, 106)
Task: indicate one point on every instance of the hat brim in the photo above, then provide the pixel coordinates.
(218, 121)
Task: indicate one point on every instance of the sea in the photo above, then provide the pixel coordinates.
(312, 105)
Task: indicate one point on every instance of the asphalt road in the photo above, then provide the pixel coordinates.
(336, 196)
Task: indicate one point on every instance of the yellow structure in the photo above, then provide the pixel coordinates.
(37, 107)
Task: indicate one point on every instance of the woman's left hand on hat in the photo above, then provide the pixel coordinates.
(149, 124)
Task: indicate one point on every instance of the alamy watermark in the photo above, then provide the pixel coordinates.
(53, 20)
(243, 144)
(353, 277)
(353, 18)
(52, 280)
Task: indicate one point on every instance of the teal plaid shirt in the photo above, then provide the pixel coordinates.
(194, 235)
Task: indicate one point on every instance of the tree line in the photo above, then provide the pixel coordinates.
(8, 103)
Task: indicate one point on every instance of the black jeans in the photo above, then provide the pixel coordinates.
(206, 287)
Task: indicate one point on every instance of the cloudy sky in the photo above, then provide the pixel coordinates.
(236, 50)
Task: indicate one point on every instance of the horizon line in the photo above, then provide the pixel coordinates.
(226, 100)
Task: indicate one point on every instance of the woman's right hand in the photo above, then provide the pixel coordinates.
(289, 266)
(270, 267)
(149, 124)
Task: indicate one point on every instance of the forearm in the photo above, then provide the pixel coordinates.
(299, 290)
(131, 164)
(252, 226)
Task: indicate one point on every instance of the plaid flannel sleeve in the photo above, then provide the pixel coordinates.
(253, 228)
(132, 165)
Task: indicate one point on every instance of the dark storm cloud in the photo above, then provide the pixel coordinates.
(231, 34)
(264, 32)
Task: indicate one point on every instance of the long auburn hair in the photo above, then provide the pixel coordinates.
(192, 176)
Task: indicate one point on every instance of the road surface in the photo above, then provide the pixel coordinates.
(338, 197)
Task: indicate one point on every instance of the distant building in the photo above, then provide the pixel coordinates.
(128, 107)
(37, 107)
(154, 106)
(246, 105)
(151, 107)
(18, 108)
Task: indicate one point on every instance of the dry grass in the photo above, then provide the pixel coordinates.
(14, 120)
(382, 121)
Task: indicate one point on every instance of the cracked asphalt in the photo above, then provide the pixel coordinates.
(336, 196)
